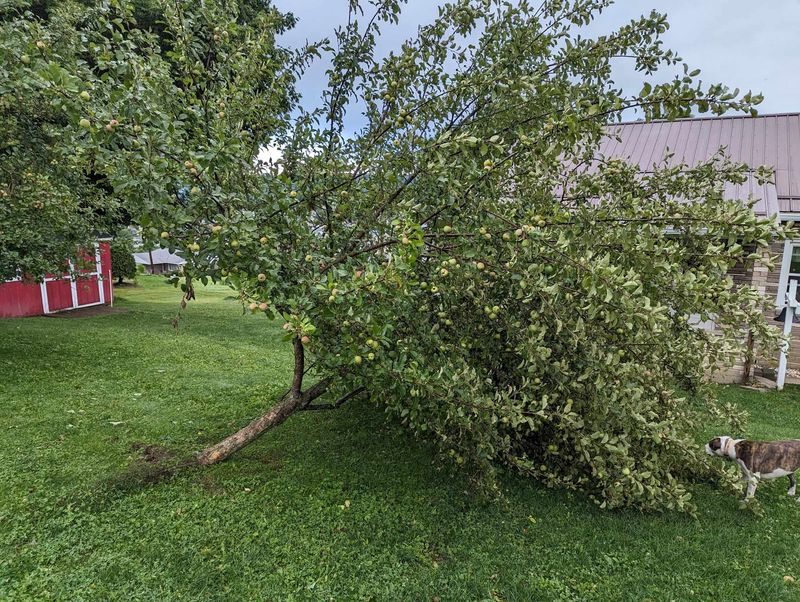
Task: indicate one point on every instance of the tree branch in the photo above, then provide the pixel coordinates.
(338, 403)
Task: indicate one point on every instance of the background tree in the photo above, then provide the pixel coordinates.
(123, 264)
(53, 201)
(465, 257)
(51, 204)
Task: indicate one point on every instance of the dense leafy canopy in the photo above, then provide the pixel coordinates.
(465, 255)
(50, 202)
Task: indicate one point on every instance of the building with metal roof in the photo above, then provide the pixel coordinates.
(159, 261)
(772, 140)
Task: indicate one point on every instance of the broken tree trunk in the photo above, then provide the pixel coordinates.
(292, 401)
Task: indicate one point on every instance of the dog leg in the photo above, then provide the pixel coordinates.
(792, 485)
(751, 489)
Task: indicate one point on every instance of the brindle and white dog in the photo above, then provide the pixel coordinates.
(760, 460)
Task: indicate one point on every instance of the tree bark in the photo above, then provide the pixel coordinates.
(748, 358)
(293, 400)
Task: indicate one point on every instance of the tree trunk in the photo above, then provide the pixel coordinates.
(748, 358)
(119, 280)
(293, 400)
(216, 453)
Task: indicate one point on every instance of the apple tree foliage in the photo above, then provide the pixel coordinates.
(49, 204)
(463, 254)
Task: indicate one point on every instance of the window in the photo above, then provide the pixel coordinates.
(790, 269)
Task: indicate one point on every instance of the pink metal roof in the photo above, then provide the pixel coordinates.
(764, 140)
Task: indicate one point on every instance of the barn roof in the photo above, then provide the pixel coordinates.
(159, 256)
(772, 140)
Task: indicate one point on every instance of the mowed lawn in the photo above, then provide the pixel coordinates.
(331, 506)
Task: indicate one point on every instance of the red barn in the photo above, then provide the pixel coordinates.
(19, 298)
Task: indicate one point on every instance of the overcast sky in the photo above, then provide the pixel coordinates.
(750, 45)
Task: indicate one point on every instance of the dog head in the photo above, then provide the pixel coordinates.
(722, 446)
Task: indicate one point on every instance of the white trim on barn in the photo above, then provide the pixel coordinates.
(45, 302)
(73, 285)
(99, 269)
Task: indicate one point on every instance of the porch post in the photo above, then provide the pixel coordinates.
(791, 305)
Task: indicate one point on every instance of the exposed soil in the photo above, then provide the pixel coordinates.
(156, 464)
(153, 454)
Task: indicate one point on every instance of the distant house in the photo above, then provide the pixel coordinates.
(159, 261)
(772, 140)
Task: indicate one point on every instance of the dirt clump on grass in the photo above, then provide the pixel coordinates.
(153, 464)
(153, 454)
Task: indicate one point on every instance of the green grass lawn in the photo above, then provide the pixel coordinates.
(273, 524)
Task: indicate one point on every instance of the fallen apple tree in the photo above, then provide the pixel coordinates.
(465, 256)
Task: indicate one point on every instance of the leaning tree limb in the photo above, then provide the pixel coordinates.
(293, 400)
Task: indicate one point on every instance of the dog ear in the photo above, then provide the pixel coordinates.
(715, 443)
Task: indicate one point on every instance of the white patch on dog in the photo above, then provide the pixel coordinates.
(775, 474)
